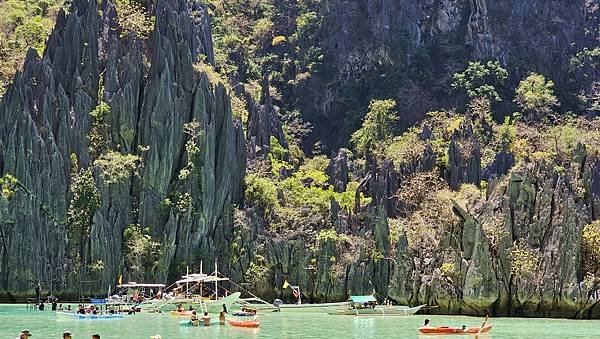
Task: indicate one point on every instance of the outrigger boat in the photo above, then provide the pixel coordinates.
(366, 305)
(78, 316)
(188, 292)
(278, 305)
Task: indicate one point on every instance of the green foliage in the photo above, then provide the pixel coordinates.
(481, 80)
(133, 18)
(447, 269)
(116, 167)
(523, 261)
(376, 127)
(24, 24)
(536, 96)
(590, 248)
(98, 135)
(405, 149)
(278, 40)
(257, 273)
(85, 201)
(330, 235)
(239, 107)
(507, 134)
(8, 185)
(193, 131)
(141, 252)
(261, 192)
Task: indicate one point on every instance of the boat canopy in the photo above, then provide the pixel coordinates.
(132, 284)
(194, 278)
(362, 299)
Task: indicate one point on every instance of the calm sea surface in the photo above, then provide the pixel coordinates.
(45, 324)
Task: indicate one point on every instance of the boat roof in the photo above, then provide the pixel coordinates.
(199, 277)
(134, 284)
(362, 298)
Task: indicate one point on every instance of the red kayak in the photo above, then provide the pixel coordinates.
(244, 323)
(454, 330)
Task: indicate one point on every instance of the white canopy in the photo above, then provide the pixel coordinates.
(134, 284)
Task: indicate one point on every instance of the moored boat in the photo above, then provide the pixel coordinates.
(454, 330)
(366, 305)
(79, 316)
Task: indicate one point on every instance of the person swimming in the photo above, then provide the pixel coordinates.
(426, 324)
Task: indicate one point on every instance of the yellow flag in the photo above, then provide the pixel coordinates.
(121, 279)
(286, 284)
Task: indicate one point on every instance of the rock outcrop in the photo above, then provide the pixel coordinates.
(153, 91)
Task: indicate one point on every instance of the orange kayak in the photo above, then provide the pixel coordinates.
(244, 323)
(454, 330)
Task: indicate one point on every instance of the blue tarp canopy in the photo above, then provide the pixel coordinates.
(97, 301)
(362, 298)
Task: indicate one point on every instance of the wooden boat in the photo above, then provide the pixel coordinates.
(244, 323)
(278, 306)
(454, 330)
(366, 305)
(189, 291)
(78, 316)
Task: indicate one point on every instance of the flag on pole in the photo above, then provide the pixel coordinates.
(286, 284)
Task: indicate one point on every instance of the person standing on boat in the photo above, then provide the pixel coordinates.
(38, 296)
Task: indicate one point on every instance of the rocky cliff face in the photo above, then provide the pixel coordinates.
(153, 92)
(408, 50)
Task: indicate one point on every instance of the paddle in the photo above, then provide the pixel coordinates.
(482, 326)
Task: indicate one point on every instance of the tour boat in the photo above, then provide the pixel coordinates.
(78, 316)
(188, 292)
(366, 305)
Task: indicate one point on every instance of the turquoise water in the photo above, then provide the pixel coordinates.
(44, 324)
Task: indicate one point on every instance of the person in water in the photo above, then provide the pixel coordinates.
(95, 336)
(464, 328)
(69, 308)
(60, 307)
(67, 335)
(194, 318)
(206, 319)
(24, 334)
(54, 304)
(222, 315)
(426, 324)
(41, 307)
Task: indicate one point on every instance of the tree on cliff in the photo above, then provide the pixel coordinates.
(536, 96)
(481, 80)
(376, 126)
